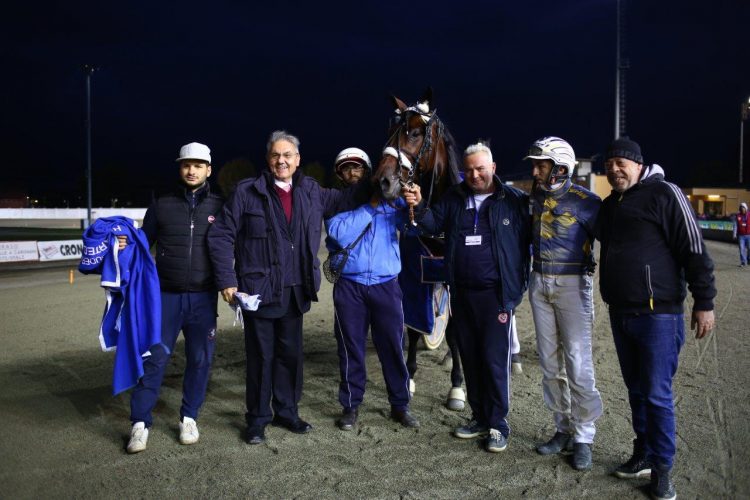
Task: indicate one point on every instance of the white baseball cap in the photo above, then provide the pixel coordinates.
(195, 151)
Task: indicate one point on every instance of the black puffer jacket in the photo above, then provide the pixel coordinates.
(178, 223)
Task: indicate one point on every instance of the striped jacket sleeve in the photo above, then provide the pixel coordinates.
(688, 247)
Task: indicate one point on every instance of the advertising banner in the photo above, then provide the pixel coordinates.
(18, 251)
(59, 250)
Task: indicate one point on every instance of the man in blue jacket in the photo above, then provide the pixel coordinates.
(177, 223)
(368, 296)
(487, 231)
(651, 247)
(265, 242)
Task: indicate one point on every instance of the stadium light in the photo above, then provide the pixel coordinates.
(744, 116)
(89, 70)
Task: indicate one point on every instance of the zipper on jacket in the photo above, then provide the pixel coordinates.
(650, 289)
(191, 212)
(272, 249)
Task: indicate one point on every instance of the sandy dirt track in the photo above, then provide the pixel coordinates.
(62, 434)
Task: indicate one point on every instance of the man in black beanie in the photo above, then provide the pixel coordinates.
(651, 246)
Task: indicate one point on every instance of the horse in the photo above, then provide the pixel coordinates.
(420, 149)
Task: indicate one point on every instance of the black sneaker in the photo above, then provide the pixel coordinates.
(662, 487)
(582, 456)
(256, 434)
(405, 418)
(560, 443)
(347, 420)
(635, 468)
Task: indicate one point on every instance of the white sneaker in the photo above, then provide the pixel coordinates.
(138, 438)
(188, 431)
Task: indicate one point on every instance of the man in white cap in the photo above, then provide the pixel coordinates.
(741, 233)
(178, 223)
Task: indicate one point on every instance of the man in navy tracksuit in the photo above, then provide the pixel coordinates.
(487, 232)
(177, 223)
(265, 242)
(368, 296)
(651, 246)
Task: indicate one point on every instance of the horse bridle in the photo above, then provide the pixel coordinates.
(403, 161)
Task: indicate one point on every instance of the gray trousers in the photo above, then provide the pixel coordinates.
(563, 311)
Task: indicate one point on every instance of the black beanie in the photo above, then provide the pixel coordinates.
(623, 147)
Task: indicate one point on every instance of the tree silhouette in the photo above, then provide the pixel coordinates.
(233, 172)
(316, 171)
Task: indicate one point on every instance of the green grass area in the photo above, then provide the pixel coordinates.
(39, 234)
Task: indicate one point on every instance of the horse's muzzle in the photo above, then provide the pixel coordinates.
(390, 187)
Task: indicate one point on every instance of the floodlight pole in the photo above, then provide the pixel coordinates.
(622, 64)
(742, 140)
(744, 116)
(89, 70)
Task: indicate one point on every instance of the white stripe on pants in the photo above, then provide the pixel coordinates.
(563, 311)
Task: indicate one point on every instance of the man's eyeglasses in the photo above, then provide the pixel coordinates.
(350, 167)
(277, 156)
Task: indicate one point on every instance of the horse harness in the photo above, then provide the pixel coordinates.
(404, 163)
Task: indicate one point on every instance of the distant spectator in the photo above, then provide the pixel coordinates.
(741, 233)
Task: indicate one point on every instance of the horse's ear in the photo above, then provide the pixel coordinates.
(398, 103)
(427, 97)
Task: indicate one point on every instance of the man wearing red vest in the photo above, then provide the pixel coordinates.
(742, 233)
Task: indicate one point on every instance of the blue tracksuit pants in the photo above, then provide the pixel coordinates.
(195, 314)
(484, 336)
(357, 308)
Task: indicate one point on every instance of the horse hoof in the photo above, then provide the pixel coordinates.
(456, 399)
(412, 387)
(516, 366)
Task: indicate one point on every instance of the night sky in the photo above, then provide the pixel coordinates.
(227, 73)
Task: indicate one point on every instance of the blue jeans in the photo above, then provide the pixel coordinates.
(648, 347)
(195, 314)
(744, 243)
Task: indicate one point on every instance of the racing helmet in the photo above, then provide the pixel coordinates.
(560, 153)
(352, 155)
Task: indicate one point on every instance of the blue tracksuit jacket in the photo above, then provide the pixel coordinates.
(132, 314)
(376, 258)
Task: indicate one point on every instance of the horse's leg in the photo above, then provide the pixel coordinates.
(456, 396)
(457, 374)
(411, 357)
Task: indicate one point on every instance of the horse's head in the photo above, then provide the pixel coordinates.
(416, 147)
